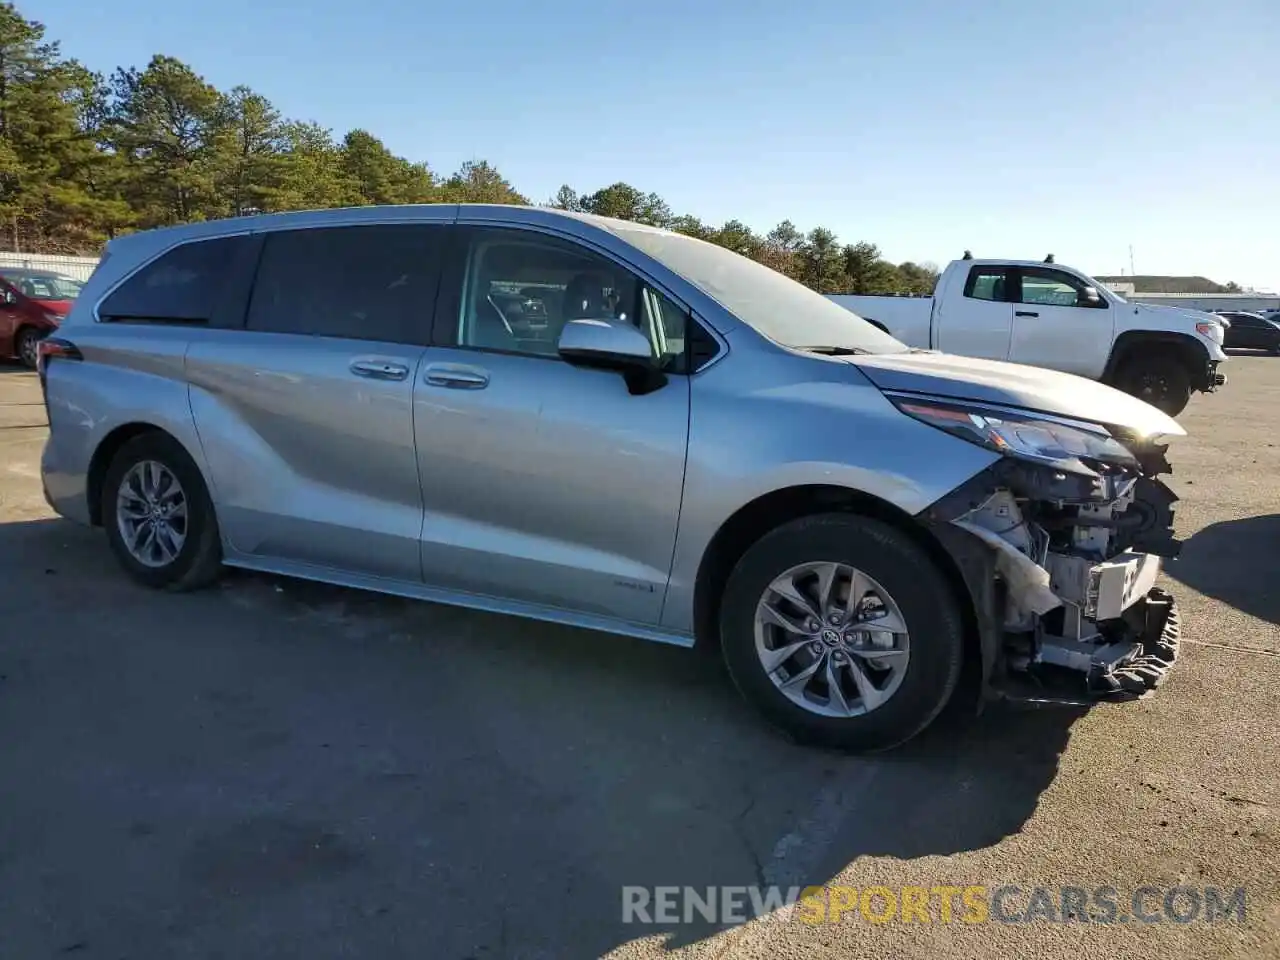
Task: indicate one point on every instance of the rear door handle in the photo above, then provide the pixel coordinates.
(379, 369)
(1025, 313)
(456, 377)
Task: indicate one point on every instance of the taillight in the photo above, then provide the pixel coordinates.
(54, 347)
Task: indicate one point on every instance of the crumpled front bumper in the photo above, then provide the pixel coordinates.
(1060, 615)
(1158, 643)
(1128, 669)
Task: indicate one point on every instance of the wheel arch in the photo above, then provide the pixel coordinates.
(106, 451)
(768, 511)
(1189, 351)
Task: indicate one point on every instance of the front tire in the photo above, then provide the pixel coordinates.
(842, 631)
(1161, 379)
(158, 515)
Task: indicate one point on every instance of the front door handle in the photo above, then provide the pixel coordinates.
(456, 377)
(379, 369)
(1025, 313)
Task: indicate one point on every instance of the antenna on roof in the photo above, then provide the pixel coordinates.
(968, 255)
(1049, 258)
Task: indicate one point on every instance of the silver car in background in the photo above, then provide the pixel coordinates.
(607, 425)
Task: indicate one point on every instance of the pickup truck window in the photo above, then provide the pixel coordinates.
(986, 283)
(1051, 288)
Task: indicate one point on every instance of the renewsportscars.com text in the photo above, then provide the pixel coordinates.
(971, 904)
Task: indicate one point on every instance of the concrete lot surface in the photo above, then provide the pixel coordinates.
(279, 769)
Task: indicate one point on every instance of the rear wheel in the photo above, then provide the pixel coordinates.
(26, 345)
(842, 631)
(158, 515)
(1159, 378)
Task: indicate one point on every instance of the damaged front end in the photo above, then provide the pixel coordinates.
(1060, 542)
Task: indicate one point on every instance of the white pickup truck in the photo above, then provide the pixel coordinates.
(1048, 315)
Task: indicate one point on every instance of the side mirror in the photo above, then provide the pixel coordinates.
(1089, 297)
(9, 298)
(610, 345)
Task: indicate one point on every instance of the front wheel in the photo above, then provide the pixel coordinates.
(1160, 379)
(842, 631)
(158, 515)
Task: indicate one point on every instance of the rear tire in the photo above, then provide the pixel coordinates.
(26, 346)
(168, 541)
(1159, 378)
(911, 672)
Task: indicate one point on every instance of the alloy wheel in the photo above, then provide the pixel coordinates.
(831, 639)
(29, 350)
(151, 514)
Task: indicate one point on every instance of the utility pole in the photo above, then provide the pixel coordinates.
(1132, 271)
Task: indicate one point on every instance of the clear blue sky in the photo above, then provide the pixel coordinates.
(1011, 127)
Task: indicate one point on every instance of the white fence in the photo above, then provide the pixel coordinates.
(78, 267)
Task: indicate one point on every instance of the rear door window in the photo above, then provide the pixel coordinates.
(986, 283)
(184, 285)
(369, 282)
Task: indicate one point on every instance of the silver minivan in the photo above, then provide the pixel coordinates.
(603, 424)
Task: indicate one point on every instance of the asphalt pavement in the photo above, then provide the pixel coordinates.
(272, 768)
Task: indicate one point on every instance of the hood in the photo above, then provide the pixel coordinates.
(1178, 319)
(945, 375)
(59, 307)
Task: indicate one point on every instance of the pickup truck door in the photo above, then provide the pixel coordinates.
(977, 319)
(1060, 322)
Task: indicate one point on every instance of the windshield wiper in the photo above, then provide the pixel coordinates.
(837, 351)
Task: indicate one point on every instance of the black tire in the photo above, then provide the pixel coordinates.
(25, 344)
(199, 561)
(905, 570)
(1160, 378)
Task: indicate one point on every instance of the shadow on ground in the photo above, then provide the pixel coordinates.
(1235, 561)
(279, 768)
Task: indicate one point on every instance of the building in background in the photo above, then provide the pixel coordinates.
(1244, 300)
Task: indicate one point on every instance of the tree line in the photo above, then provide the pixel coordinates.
(86, 156)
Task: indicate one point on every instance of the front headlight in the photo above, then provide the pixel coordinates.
(1026, 436)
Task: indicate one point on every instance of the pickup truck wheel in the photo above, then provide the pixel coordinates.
(1161, 379)
(842, 632)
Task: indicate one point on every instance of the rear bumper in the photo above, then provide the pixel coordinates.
(64, 487)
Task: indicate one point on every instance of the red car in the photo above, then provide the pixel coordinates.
(32, 304)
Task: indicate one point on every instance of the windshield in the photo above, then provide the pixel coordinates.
(778, 307)
(45, 286)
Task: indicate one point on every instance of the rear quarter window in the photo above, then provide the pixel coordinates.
(183, 285)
